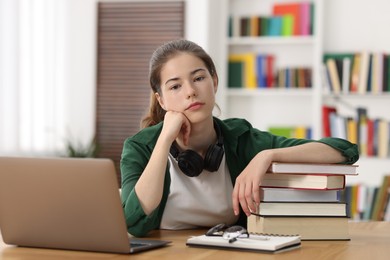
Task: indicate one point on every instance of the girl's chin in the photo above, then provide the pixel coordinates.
(198, 117)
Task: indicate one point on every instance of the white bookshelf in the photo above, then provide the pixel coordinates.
(275, 106)
(271, 107)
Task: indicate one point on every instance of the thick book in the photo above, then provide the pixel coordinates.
(282, 194)
(313, 168)
(309, 228)
(304, 181)
(289, 208)
(256, 242)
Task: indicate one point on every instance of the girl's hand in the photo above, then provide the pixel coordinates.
(246, 190)
(176, 125)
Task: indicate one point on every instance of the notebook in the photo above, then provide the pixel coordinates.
(266, 243)
(64, 203)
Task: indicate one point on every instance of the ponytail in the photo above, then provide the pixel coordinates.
(155, 114)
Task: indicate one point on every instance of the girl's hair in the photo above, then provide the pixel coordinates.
(159, 58)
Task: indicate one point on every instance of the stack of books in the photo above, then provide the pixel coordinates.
(303, 199)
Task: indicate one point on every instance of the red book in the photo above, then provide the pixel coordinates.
(293, 9)
(370, 137)
(326, 111)
(270, 71)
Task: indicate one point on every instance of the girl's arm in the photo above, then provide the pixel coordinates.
(149, 187)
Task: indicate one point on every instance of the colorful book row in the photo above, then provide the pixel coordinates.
(294, 78)
(249, 70)
(287, 19)
(372, 135)
(291, 131)
(368, 203)
(361, 72)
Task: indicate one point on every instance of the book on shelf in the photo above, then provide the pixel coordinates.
(302, 208)
(313, 168)
(346, 74)
(386, 73)
(251, 70)
(360, 72)
(326, 111)
(341, 64)
(261, 70)
(334, 76)
(267, 243)
(304, 181)
(355, 73)
(287, 25)
(364, 74)
(285, 19)
(309, 228)
(377, 72)
(367, 202)
(351, 130)
(249, 65)
(362, 129)
(338, 126)
(299, 77)
(275, 26)
(291, 131)
(292, 9)
(305, 13)
(379, 207)
(235, 74)
(295, 195)
(383, 138)
(372, 135)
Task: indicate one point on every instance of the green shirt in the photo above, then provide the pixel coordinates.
(241, 143)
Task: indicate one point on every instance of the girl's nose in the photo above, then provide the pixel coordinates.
(191, 91)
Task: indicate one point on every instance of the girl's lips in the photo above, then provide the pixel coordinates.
(195, 106)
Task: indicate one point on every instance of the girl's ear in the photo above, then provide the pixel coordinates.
(160, 100)
(215, 81)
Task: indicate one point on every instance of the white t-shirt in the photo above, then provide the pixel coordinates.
(202, 201)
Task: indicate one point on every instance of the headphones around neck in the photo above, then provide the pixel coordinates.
(192, 164)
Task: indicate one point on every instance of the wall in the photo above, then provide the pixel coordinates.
(356, 25)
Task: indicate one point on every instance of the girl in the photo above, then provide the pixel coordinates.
(188, 169)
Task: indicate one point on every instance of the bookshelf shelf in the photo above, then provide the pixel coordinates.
(274, 92)
(365, 97)
(272, 40)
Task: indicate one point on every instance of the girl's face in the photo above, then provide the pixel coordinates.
(188, 87)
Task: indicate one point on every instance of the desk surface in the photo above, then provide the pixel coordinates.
(369, 240)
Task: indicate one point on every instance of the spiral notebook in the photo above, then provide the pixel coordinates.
(267, 243)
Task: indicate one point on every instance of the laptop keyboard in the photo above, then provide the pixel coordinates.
(135, 244)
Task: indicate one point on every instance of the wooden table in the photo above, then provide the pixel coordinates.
(369, 240)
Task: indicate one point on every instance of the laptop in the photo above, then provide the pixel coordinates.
(65, 203)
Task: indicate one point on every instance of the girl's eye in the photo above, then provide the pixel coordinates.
(174, 87)
(200, 78)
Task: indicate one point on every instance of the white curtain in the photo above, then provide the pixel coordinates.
(35, 83)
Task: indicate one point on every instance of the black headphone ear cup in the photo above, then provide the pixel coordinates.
(213, 158)
(190, 163)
